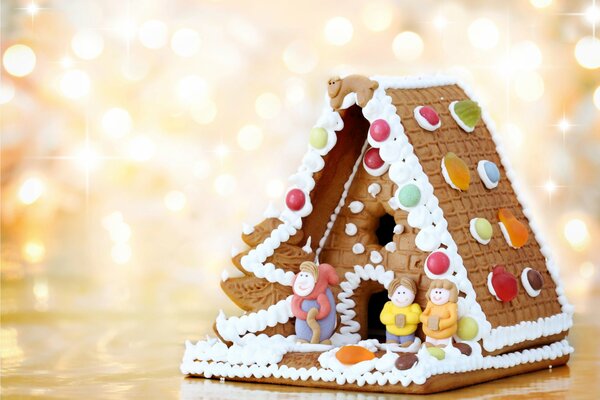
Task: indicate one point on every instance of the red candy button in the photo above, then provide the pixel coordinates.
(430, 115)
(504, 283)
(438, 263)
(295, 199)
(380, 130)
(373, 159)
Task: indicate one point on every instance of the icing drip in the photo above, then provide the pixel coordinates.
(358, 248)
(271, 211)
(307, 249)
(356, 207)
(398, 229)
(391, 247)
(376, 257)
(351, 229)
(247, 229)
(374, 189)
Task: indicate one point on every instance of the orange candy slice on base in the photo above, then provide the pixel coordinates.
(350, 355)
(456, 172)
(514, 231)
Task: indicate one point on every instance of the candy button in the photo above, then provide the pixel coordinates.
(532, 281)
(514, 231)
(318, 138)
(481, 230)
(379, 130)
(372, 159)
(437, 263)
(502, 284)
(350, 355)
(295, 199)
(409, 195)
(467, 328)
(455, 172)
(489, 173)
(466, 113)
(427, 118)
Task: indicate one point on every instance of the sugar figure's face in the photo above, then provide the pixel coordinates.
(439, 296)
(403, 297)
(304, 284)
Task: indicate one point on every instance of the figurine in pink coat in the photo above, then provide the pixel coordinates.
(313, 303)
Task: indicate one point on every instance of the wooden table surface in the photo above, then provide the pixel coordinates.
(114, 355)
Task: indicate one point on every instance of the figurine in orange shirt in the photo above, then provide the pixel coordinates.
(440, 318)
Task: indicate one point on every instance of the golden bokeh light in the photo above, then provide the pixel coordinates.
(483, 34)
(203, 111)
(75, 84)
(597, 97)
(87, 45)
(153, 34)
(407, 46)
(7, 91)
(274, 188)
(378, 15)
(540, 3)
(300, 57)
(33, 251)
(192, 88)
(587, 52)
(225, 185)
(121, 253)
(141, 148)
(338, 31)
(250, 137)
(175, 201)
(529, 86)
(19, 60)
(577, 234)
(185, 42)
(31, 190)
(116, 122)
(267, 105)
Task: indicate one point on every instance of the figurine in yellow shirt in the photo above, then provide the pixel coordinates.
(400, 315)
(440, 318)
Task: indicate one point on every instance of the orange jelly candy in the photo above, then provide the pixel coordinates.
(353, 355)
(456, 172)
(515, 232)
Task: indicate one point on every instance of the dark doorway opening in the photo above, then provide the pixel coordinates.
(375, 329)
(385, 230)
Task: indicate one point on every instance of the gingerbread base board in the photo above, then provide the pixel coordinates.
(434, 384)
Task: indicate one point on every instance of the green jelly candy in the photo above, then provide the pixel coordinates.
(467, 328)
(318, 138)
(483, 228)
(468, 111)
(409, 195)
(437, 352)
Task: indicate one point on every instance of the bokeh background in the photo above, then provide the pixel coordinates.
(138, 136)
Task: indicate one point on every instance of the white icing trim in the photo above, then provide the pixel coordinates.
(483, 175)
(422, 121)
(418, 374)
(306, 248)
(474, 233)
(525, 281)
(506, 235)
(459, 121)
(491, 287)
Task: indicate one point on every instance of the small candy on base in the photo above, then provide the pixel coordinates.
(467, 328)
(532, 281)
(466, 113)
(514, 231)
(489, 173)
(456, 172)
(502, 284)
(427, 118)
(351, 354)
(373, 162)
(481, 230)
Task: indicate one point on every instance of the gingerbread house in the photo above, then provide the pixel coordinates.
(403, 177)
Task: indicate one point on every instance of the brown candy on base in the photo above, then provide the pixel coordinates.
(463, 348)
(406, 361)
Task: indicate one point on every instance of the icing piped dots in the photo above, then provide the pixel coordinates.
(456, 172)
(390, 247)
(356, 207)
(437, 263)
(358, 248)
(514, 231)
(351, 229)
(398, 229)
(489, 173)
(466, 113)
(502, 284)
(374, 189)
(427, 118)
(532, 281)
(375, 257)
(481, 230)
(379, 130)
(409, 195)
(373, 162)
(318, 138)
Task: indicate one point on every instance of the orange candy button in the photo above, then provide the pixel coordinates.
(353, 355)
(456, 172)
(514, 231)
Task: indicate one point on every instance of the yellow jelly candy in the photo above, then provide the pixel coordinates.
(354, 354)
(514, 231)
(456, 172)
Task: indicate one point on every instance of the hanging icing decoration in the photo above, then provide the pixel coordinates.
(373, 162)
(437, 263)
(295, 199)
(409, 195)
(489, 173)
(374, 189)
(456, 172)
(532, 281)
(481, 230)
(427, 118)
(318, 138)
(466, 113)
(351, 354)
(379, 130)
(514, 231)
(502, 284)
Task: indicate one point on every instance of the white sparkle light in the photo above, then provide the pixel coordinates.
(116, 122)
(31, 190)
(153, 34)
(19, 60)
(407, 46)
(540, 3)
(587, 52)
(75, 84)
(576, 233)
(592, 14)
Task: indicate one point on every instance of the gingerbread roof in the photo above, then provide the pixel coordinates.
(336, 200)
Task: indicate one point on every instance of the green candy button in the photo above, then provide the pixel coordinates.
(318, 138)
(467, 328)
(409, 195)
(483, 228)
